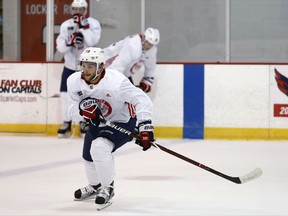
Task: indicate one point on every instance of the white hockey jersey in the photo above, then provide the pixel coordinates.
(71, 53)
(118, 99)
(130, 56)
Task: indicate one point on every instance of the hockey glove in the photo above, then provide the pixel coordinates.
(79, 38)
(88, 108)
(146, 84)
(76, 38)
(81, 21)
(146, 134)
(71, 40)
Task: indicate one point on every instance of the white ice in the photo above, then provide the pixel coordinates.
(38, 176)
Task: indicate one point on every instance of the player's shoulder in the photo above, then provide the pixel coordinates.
(133, 43)
(134, 38)
(73, 78)
(114, 74)
(93, 20)
(67, 22)
(114, 77)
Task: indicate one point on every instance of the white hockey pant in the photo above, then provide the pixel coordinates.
(103, 159)
(64, 106)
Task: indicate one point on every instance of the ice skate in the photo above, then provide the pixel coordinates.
(104, 197)
(65, 130)
(86, 192)
(84, 126)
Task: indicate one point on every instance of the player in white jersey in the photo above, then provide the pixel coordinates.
(132, 53)
(76, 34)
(94, 92)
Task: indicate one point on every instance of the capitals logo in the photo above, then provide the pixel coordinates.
(282, 82)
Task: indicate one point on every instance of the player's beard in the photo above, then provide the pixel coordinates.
(94, 77)
(88, 77)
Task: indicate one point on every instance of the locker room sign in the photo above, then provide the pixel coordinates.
(33, 27)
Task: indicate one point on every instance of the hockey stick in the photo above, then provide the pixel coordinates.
(52, 96)
(76, 30)
(257, 172)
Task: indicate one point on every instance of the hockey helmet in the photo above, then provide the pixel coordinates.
(93, 55)
(152, 36)
(79, 4)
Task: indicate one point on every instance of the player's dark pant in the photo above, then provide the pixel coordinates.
(131, 80)
(65, 74)
(116, 137)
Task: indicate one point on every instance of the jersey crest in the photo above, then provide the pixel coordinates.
(104, 106)
(136, 67)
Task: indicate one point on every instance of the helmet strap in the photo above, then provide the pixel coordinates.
(96, 74)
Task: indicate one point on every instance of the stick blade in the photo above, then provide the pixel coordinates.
(256, 173)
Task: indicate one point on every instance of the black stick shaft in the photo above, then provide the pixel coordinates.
(182, 157)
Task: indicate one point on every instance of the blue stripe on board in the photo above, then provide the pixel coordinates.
(193, 101)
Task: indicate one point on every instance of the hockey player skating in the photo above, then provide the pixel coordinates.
(76, 34)
(94, 92)
(132, 53)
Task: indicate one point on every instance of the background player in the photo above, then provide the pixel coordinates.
(132, 53)
(76, 34)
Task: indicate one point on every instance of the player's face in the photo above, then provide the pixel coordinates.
(78, 10)
(89, 71)
(147, 45)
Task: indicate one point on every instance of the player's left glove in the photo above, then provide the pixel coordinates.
(146, 83)
(79, 38)
(88, 108)
(146, 134)
(81, 21)
(71, 40)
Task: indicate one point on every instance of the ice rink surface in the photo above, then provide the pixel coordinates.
(38, 176)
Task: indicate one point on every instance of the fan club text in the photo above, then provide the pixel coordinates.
(21, 86)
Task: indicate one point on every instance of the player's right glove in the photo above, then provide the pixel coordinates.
(75, 38)
(71, 40)
(81, 21)
(89, 110)
(79, 38)
(146, 84)
(146, 134)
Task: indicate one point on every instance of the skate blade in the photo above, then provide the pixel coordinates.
(66, 135)
(103, 206)
(86, 198)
